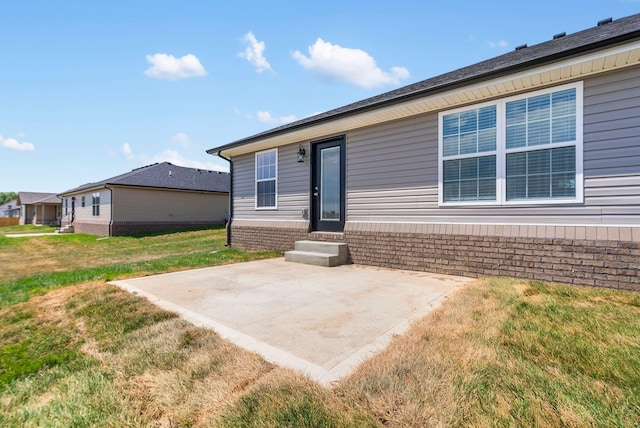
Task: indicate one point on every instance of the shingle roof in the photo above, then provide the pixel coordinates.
(608, 34)
(166, 176)
(29, 198)
(13, 204)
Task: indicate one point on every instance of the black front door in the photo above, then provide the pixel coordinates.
(328, 185)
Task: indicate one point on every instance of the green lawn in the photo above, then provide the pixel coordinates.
(37, 264)
(75, 351)
(27, 228)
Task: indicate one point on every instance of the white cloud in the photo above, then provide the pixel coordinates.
(238, 112)
(355, 66)
(168, 67)
(13, 144)
(181, 139)
(266, 117)
(253, 53)
(127, 152)
(498, 44)
(176, 158)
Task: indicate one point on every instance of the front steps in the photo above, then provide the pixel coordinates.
(318, 253)
(66, 229)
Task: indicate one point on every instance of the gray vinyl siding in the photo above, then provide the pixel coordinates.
(612, 145)
(163, 205)
(392, 170)
(292, 186)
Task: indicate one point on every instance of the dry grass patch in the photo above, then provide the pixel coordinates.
(284, 398)
(500, 352)
(28, 256)
(510, 353)
(129, 363)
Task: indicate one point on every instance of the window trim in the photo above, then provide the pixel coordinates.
(501, 151)
(95, 204)
(256, 181)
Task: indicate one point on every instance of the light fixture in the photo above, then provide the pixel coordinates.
(301, 153)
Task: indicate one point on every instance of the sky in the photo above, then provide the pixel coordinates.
(93, 89)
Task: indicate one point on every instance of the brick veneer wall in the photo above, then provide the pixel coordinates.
(266, 238)
(100, 229)
(591, 258)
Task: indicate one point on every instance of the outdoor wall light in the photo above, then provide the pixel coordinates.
(301, 153)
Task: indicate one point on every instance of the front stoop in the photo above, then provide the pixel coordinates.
(66, 229)
(318, 253)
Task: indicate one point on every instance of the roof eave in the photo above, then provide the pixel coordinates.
(475, 79)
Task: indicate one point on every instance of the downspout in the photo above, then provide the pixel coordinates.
(60, 218)
(230, 219)
(111, 218)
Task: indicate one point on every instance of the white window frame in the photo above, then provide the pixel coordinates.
(275, 179)
(501, 151)
(95, 204)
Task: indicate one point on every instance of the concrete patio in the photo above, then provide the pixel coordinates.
(321, 321)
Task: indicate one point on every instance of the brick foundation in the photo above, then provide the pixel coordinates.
(597, 261)
(133, 228)
(100, 229)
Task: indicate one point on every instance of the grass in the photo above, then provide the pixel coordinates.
(508, 352)
(39, 264)
(75, 351)
(27, 228)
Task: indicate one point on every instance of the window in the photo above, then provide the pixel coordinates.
(266, 179)
(523, 149)
(82, 201)
(95, 203)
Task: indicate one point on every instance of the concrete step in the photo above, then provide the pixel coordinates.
(333, 248)
(312, 258)
(66, 229)
(318, 253)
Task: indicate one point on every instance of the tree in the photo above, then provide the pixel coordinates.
(7, 197)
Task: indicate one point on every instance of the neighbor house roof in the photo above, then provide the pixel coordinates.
(606, 34)
(30, 198)
(11, 205)
(165, 176)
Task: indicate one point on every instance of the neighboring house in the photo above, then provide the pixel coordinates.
(39, 208)
(11, 209)
(158, 197)
(526, 165)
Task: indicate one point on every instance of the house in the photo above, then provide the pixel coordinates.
(39, 208)
(154, 198)
(10, 209)
(525, 165)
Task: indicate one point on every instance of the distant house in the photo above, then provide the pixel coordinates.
(158, 197)
(11, 209)
(39, 208)
(526, 164)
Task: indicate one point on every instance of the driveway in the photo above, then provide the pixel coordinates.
(321, 321)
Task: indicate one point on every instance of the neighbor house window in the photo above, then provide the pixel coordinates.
(82, 201)
(266, 179)
(95, 203)
(523, 149)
